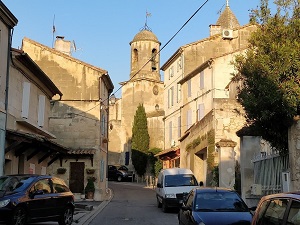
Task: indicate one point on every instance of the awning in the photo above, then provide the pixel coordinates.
(21, 142)
(166, 151)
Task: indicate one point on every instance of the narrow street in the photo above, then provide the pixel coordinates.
(133, 204)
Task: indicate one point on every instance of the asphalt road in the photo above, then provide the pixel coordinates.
(133, 205)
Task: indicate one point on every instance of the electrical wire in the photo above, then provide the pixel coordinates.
(149, 60)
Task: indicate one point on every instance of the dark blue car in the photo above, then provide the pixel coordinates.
(214, 206)
(35, 198)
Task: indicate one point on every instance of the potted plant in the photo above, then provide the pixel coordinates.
(90, 170)
(90, 188)
(61, 170)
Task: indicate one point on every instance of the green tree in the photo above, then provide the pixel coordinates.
(154, 162)
(140, 141)
(269, 71)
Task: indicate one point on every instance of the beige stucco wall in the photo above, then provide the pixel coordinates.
(80, 118)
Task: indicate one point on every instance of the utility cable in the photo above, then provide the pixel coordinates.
(157, 52)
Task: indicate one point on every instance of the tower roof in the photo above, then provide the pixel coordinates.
(145, 35)
(227, 19)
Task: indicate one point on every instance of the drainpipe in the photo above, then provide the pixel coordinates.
(4, 114)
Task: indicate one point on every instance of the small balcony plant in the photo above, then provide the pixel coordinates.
(61, 170)
(90, 170)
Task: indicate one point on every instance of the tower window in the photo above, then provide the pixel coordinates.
(153, 59)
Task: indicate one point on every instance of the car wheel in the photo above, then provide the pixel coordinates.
(164, 207)
(119, 178)
(67, 217)
(19, 216)
(158, 203)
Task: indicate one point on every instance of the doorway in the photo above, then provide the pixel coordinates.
(76, 183)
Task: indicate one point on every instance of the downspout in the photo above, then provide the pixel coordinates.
(3, 137)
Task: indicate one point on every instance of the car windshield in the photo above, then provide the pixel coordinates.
(178, 180)
(219, 201)
(14, 183)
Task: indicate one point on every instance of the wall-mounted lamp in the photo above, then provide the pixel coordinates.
(112, 99)
(156, 107)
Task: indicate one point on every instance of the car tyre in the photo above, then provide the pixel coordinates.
(66, 217)
(164, 206)
(19, 217)
(119, 178)
(158, 203)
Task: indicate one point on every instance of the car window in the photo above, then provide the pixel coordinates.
(15, 183)
(294, 213)
(274, 212)
(123, 168)
(42, 185)
(220, 201)
(260, 212)
(180, 180)
(59, 186)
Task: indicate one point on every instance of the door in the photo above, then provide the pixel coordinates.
(76, 177)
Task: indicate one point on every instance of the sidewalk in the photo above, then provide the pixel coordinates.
(86, 210)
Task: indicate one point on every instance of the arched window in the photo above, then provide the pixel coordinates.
(153, 59)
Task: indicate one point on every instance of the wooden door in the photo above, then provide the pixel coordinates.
(76, 183)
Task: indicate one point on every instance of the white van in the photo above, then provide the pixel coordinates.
(171, 185)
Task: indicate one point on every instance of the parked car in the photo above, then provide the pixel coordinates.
(35, 198)
(214, 206)
(281, 208)
(171, 185)
(120, 173)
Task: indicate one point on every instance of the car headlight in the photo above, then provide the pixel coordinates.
(4, 203)
(170, 195)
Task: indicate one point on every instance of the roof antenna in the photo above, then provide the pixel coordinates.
(53, 30)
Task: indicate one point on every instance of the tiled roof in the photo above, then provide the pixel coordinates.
(227, 19)
(82, 152)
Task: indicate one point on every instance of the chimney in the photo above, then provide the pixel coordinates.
(62, 45)
(215, 29)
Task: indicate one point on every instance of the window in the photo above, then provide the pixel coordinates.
(189, 118)
(179, 64)
(25, 100)
(178, 92)
(170, 131)
(179, 127)
(41, 112)
(59, 186)
(294, 214)
(189, 83)
(274, 212)
(202, 80)
(153, 59)
(170, 97)
(200, 112)
(171, 72)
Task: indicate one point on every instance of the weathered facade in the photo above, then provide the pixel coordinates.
(7, 23)
(29, 143)
(201, 116)
(79, 119)
(144, 87)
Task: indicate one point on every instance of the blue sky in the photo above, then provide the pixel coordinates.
(102, 29)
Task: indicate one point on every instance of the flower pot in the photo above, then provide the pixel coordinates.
(90, 195)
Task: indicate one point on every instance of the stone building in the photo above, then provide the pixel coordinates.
(7, 23)
(143, 87)
(200, 116)
(29, 145)
(79, 120)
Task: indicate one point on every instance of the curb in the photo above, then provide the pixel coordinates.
(88, 217)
